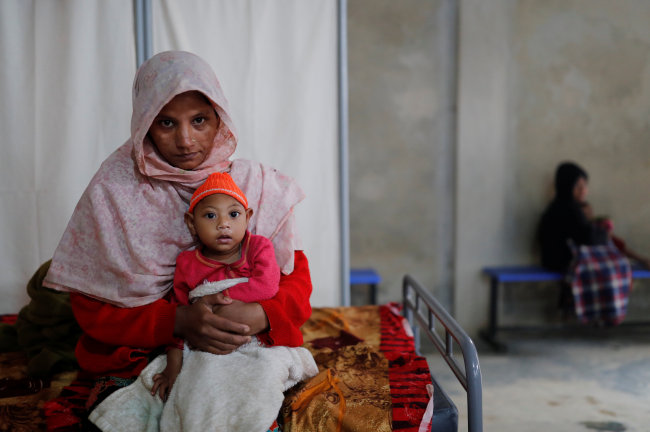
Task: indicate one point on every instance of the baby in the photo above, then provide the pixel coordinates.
(229, 258)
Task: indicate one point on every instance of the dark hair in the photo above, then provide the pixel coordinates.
(566, 177)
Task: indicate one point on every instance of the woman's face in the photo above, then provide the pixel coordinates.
(580, 190)
(184, 130)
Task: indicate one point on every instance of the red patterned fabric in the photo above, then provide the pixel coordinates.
(376, 380)
(67, 411)
(8, 319)
(370, 380)
(408, 373)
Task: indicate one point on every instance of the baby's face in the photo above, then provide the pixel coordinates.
(220, 222)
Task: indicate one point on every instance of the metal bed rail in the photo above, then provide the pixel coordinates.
(416, 298)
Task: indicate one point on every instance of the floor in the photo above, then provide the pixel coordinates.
(585, 381)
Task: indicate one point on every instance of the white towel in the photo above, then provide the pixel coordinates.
(132, 408)
(242, 391)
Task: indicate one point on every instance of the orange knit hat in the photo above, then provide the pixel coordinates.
(218, 183)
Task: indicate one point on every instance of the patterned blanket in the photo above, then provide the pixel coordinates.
(370, 379)
(601, 279)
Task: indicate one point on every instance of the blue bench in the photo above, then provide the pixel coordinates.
(366, 276)
(522, 274)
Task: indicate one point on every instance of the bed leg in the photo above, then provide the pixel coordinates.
(373, 294)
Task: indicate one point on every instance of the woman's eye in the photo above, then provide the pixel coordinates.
(199, 120)
(166, 123)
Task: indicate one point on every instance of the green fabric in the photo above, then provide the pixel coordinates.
(45, 329)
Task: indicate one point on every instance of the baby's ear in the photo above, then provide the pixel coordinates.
(249, 213)
(189, 221)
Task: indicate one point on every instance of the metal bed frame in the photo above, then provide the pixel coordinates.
(421, 308)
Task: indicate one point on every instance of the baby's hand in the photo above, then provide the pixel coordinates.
(163, 384)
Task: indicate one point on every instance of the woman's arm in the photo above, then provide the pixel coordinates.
(147, 326)
(278, 319)
(622, 246)
(290, 308)
(580, 230)
(204, 330)
(157, 323)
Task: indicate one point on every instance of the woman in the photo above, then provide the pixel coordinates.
(117, 255)
(568, 217)
(564, 219)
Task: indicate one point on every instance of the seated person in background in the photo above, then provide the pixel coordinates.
(564, 219)
(570, 217)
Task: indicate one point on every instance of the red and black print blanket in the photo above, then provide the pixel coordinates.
(370, 380)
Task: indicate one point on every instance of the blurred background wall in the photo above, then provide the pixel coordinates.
(459, 113)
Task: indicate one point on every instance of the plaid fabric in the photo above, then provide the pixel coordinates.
(8, 319)
(601, 279)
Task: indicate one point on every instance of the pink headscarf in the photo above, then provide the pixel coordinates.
(123, 238)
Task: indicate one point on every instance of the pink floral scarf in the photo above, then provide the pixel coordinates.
(123, 238)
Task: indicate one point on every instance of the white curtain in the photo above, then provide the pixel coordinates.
(65, 105)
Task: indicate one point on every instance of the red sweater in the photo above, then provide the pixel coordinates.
(117, 341)
(257, 263)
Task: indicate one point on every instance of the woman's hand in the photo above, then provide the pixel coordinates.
(206, 331)
(251, 314)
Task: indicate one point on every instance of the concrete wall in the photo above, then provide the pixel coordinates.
(538, 83)
(401, 188)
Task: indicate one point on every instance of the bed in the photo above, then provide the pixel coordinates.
(371, 376)
(425, 313)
